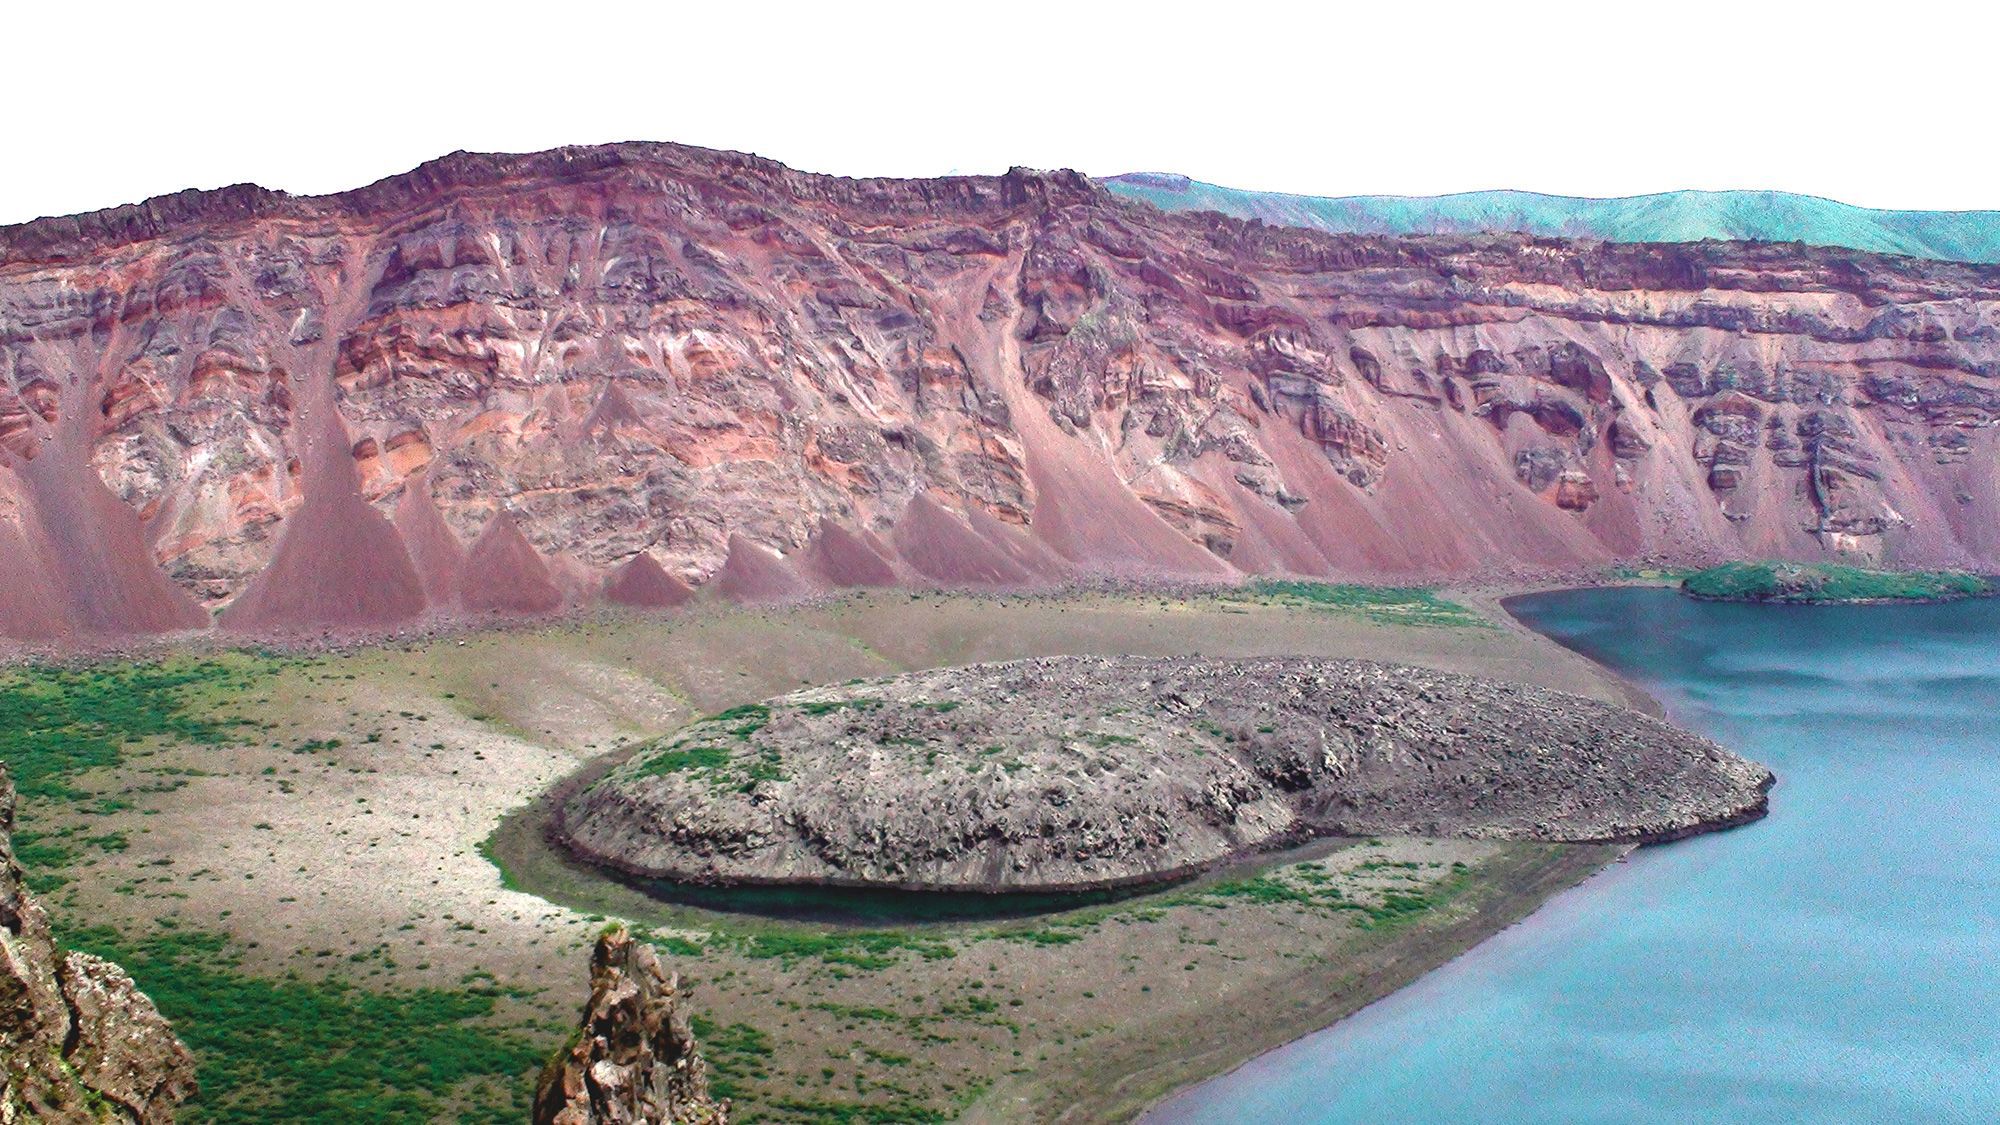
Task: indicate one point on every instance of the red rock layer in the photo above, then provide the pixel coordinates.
(656, 348)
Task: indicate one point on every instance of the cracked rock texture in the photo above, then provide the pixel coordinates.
(78, 1041)
(1078, 772)
(494, 384)
(634, 1061)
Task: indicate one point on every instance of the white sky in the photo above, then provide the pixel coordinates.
(1891, 109)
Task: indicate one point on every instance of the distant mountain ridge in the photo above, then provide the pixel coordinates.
(1675, 216)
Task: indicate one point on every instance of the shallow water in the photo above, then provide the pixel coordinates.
(1838, 961)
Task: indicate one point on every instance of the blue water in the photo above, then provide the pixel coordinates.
(1838, 961)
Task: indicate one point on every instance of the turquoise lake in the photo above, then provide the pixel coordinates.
(1837, 961)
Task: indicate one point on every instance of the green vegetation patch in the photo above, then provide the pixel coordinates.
(1310, 886)
(860, 949)
(1829, 583)
(57, 722)
(294, 1049)
(900, 1112)
(1384, 605)
(686, 759)
(713, 747)
(737, 1055)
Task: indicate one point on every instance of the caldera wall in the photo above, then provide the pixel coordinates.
(651, 348)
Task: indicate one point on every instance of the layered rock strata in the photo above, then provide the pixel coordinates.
(494, 384)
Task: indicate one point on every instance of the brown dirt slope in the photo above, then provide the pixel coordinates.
(505, 574)
(644, 583)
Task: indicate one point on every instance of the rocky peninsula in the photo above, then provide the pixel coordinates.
(1072, 773)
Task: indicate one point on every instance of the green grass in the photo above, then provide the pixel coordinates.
(673, 945)
(57, 722)
(900, 1112)
(686, 759)
(1826, 583)
(1386, 605)
(749, 719)
(829, 706)
(507, 881)
(737, 1054)
(695, 750)
(307, 1050)
(860, 949)
(1309, 887)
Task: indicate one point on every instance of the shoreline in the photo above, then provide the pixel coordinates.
(1833, 603)
(1493, 600)
(1524, 886)
(474, 727)
(1165, 1070)
(1152, 1068)
(435, 627)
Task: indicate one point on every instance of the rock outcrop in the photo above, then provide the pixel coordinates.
(634, 1061)
(1069, 773)
(78, 1041)
(302, 411)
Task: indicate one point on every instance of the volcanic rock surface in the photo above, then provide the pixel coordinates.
(634, 1060)
(1077, 772)
(304, 411)
(79, 1043)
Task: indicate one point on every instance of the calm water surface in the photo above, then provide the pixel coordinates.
(1838, 961)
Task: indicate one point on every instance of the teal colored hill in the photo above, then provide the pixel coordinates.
(1675, 216)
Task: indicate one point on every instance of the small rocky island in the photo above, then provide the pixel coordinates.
(1075, 773)
(1830, 584)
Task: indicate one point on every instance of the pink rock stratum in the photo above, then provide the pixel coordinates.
(985, 380)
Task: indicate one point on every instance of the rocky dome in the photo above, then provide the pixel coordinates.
(1079, 772)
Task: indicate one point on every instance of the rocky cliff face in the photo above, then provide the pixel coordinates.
(496, 384)
(1073, 772)
(78, 1041)
(634, 1061)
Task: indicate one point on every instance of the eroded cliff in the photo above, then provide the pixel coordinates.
(498, 383)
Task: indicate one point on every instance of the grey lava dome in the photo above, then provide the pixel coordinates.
(1071, 773)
